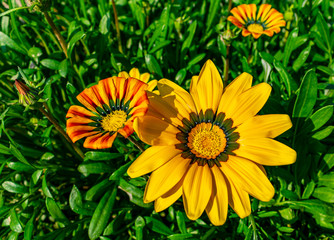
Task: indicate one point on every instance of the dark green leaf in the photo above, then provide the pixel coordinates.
(318, 119)
(87, 168)
(50, 63)
(14, 187)
(98, 156)
(301, 59)
(139, 225)
(153, 65)
(10, 43)
(102, 214)
(55, 211)
(157, 226)
(326, 180)
(323, 30)
(325, 194)
(15, 223)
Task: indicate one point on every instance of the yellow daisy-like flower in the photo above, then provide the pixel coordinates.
(267, 21)
(112, 105)
(209, 146)
(145, 77)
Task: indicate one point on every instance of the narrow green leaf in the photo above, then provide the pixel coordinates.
(323, 30)
(289, 46)
(15, 223)
(99, 156)
(87, 168)
(322, 134)
(301, 59)
(181, 236)
(76, 37)
(120, 172)
(18, 154)
(14, 187)
(318, 119)
(157, 226)
(95, 191)
(325, 194)
(139, 225)
(50, 63)
(19, 166)
(187, 43)
(153, 65)
(308, 190)
(10, 43)
(284, 76)
(55, 211)
(102, 214)
(45, 188)
(29, 228)
(307, 96)
(326, 180)
(212, 14)
(180, 219)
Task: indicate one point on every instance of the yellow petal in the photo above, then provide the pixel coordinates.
(207, 89)
(151, 85)
(197, 189)
(236, 13)
(235, 88)
(218, 204)
(151, 159)
(123, 74)
(262, 126)
(166, 177)
(248, 176)
(154, 131)
(238, 199)
(145, 77)
(169, 197)
(177, 96)
(167, 111)
(266, 151)
(134, 72)
(262, 13)
(249, 103)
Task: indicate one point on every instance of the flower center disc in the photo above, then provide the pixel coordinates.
(255, 28)
(114, 121)
(206, 141)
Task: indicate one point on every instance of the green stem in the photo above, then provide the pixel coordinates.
(227, 64)
(136, 143)
(118, 33)
(61, 131)
(56, 32)
(251, 219)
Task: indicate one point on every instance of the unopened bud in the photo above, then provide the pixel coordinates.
(27, 96)
(227, 37)
(288, 15)
(41, 5)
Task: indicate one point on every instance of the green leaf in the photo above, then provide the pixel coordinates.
(188, 42)
(289, 46)
(157, 226)
(18, 154)
(195, 60)
(87, 168)
(36, 176)
(159, 46)
(55, 211)
(15, 223)
(21, 167)
(10, 43)
(181, 236)
(50, 63)
(180, 219)
(14, 187)
(29, 228)
(95, 191)
(286, 229)
(120, 172)
(326, 180)
(99, 156)
(306, 98)
(212, 14)
(284, 76)
(153, 65)
(105, 24)
(322, 134)
(76, 37)
(63, 68)
(308, 190)
(102, 214)
(323, 30)
(301, 59)
(45, 188)
(318, 119)
(325, 194)
(75, 200)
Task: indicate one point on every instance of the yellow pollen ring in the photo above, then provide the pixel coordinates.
(206, 141)
(255, 28)
(114, 121)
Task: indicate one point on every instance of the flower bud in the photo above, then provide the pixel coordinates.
(27, 96)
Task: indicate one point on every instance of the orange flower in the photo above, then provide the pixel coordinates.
(267, 21)
(112, 105)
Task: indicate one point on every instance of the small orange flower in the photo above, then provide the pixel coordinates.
(112, 105)
(267, 21)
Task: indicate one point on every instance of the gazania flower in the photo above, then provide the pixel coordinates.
(209, 146)
(112, 105)
(266, 21)
(145, 77)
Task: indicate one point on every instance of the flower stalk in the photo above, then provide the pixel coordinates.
(56, 32)
(118, 33)
(136, 143)
(60, 129)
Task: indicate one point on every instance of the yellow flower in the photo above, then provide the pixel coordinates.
(134, 72)
(112, 105)
(209, 146)
(267, 21)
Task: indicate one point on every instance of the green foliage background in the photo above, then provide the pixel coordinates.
(48, 192)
